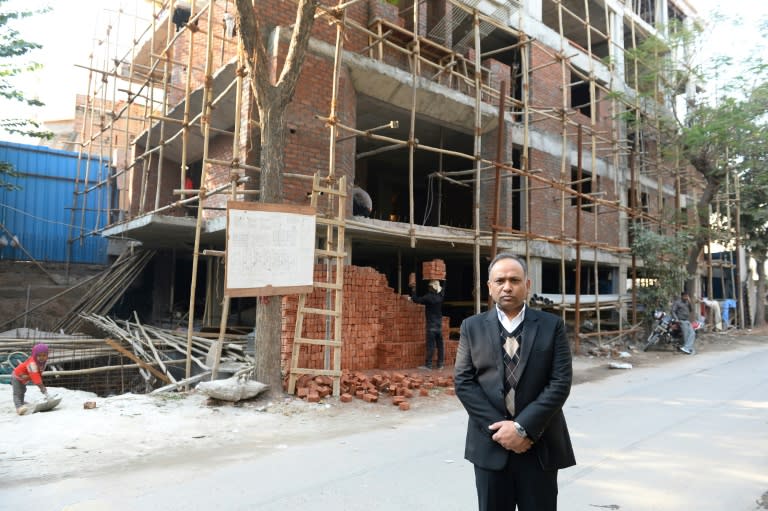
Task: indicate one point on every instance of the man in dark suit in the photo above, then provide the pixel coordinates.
(513, 374)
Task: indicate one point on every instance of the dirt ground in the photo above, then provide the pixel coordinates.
(589, 367)
(133, 429)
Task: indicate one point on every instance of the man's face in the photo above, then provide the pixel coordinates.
(508, 285)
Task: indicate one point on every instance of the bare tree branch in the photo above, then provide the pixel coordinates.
(252, 35)
(297, 51)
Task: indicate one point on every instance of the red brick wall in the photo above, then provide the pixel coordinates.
(217, 175)
(225, 48)
(170, 181)
(380, 328)
(307, 139)
(546, 88)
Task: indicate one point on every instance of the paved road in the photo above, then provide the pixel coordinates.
(689, 435)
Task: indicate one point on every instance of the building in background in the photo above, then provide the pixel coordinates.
(474, 127)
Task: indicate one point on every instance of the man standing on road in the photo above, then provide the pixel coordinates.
(433, 314)
(513, 375)
(681, 311)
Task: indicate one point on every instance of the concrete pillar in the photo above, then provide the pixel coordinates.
(617, 48)
(163, 268)
(533, 9)
(534, 273)
(662, 14)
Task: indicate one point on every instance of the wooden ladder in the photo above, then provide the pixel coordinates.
(331, 215)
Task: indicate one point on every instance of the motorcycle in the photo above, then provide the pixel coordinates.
(668, 331)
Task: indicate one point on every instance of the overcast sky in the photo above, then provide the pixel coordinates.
(69, 32)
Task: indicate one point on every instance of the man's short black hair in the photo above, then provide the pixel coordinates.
(508, 255)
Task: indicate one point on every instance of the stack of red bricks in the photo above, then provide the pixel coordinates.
(314, 388)
(380, 328)
(433, 270)
(397, 388)
(411, 352)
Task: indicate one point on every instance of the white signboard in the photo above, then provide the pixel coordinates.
(270, 249)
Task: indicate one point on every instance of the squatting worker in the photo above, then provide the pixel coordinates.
(517, 437)
(29, 370)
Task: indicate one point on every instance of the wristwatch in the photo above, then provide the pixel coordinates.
(521, 430)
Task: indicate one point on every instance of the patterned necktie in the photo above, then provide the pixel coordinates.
(511, 361)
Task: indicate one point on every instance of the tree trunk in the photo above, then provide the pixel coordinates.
(268, 344)
(760, 301)
(269, 309)
(703, 163)
(273, 90)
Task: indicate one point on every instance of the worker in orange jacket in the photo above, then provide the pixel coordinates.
(29, 370)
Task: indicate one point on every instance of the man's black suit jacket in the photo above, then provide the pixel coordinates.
(543, 387)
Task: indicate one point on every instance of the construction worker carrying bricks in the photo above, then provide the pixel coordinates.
(433, 312)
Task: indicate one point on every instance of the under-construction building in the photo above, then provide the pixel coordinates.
(475, 126)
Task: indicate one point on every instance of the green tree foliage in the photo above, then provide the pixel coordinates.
(664, 257)
(13, 50)
(752, 170)
(708, 130)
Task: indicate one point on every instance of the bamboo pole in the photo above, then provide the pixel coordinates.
(577, 245)
(412, 125)
(207, 93)
(215, 351)
(531, 114)
(478, 153)
(137, 360)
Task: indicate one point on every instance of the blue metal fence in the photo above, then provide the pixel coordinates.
(40, 214)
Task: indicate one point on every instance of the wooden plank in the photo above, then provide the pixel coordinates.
(318, 372)
(317, 342)
(321, 312)
(136, 359)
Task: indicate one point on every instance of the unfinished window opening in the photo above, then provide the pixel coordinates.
(192, 182)
(552, 282)
(194, 173)
(511, 194)
(504, 59)
(645, 209)
(634, 40)
(646, 9)
(643, 279)
(574, 16)
(517, 202)
(641, 209)
(583, 185)
(639, 142)
(676, 18)
(581, 96)
(181, 15)
(381, 169)
(645, 203)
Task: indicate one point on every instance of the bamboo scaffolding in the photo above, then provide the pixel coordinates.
(602, 147)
